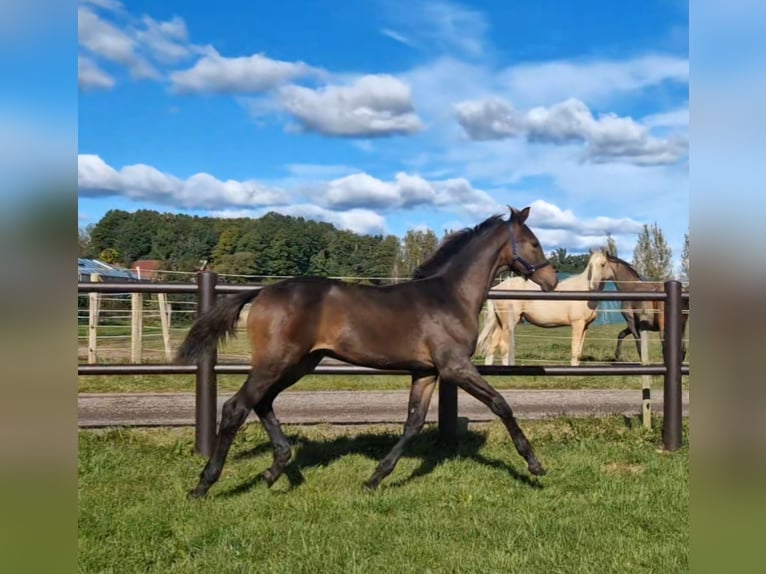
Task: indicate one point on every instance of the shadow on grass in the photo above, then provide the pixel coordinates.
(426, 446)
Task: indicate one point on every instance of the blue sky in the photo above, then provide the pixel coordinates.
(390, 115)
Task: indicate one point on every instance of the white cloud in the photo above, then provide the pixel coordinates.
(678, 118)
(105, 40)
(214, 73)
(111, 5)
(167, 41)
(106, 31)
(361, 221)
(589, 80)
(361, 189)
(405, 192)
(401, 38)
(607, 138)
(91, 77)
(371, 106)
(96, 178)
(357, 220)
(437, 24)
(545, 215)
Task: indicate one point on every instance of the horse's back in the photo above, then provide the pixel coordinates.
(351, 321)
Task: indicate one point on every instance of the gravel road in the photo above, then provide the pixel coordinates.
(359, 407)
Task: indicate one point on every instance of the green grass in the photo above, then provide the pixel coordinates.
(534, 346)
(610, 503)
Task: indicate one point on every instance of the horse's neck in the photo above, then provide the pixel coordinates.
(626, 280)
(472, 272)
(579, 282)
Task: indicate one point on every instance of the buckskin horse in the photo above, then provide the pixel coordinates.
(427, 326)
(503, 315)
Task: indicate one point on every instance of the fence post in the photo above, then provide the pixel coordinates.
(671, 434)
(94, 304)
(448, 412)
(136, 327)
(206, 407)
(646, 382)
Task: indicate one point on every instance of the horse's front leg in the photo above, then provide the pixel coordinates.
(578, 333)
(464, 374)
(420, 397)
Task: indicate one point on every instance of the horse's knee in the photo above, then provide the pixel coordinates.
(233, 412)
(499, 406)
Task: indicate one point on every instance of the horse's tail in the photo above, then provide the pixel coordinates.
(490, 324)
(213, 325)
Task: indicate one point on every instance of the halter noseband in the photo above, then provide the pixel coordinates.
(529, 269)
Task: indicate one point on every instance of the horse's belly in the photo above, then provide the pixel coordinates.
(556, 313)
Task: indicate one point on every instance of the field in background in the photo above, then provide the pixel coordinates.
(534, 346)
(610, 503)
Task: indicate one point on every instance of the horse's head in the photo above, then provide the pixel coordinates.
(599, 269)
(524, 255)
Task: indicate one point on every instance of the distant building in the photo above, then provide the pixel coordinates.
(146, 269)
(107, 273)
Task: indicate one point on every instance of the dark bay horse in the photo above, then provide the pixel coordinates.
(641, 315)
(427, 326)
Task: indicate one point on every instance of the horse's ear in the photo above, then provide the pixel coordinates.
(590, 251)
(514, 212)
(519, 216)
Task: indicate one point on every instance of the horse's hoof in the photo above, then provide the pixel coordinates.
(537, 469)
(197, 492)
(371, 485)
(269, 477)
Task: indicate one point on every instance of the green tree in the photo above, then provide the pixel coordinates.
(685, 258)
(84, 246)
(652, 256)
(240, 263)
(106, 233)
(566, 263)
(227, 243)
(109, 255)
(416, 247)
(611, 245)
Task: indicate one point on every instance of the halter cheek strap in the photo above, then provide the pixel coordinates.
(528, 267)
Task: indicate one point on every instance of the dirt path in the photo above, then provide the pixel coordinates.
(355, 407)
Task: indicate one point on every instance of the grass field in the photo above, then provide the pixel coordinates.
(610, 503)
(534, 346)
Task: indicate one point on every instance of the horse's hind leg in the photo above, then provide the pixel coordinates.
(465, 375)
(265, 411)
(622, 334)
(420, 397)
(260, 383)
(233, 415)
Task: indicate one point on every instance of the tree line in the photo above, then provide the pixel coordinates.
(274, 245)
(278, 245)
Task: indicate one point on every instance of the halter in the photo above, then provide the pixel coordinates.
(528, 267)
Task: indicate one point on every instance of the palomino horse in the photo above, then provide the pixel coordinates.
(427, 326)
(641, 315)
(503, 315)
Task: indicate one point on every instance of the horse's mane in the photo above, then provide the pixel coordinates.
(615, 259)
(453, 243)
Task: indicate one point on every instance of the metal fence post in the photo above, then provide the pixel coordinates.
(448, 412)
(671, 434)
(206, 407)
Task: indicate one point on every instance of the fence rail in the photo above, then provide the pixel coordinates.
(208, 367)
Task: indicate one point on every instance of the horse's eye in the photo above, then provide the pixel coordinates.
(535, 244)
